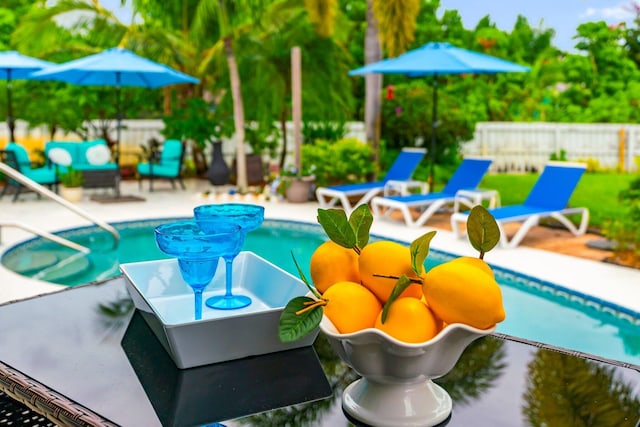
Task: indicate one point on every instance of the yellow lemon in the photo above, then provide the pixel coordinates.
(409, 320)
(463, 292)
(387, 258)
(351, 307)
(331, 263)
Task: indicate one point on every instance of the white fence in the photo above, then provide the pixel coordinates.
(526, 146)
(514, 146)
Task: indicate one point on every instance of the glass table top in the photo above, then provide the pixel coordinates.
(90, 345)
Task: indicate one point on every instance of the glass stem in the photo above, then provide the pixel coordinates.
(198, 301)
(229, 267)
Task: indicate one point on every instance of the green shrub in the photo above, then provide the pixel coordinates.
(624, 230)
(72, 178)
(560, 156)
(342, 162)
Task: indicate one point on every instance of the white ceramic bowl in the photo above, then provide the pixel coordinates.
(396, 388)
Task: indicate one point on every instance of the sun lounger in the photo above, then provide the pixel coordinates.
(466, 177)
(398, 176)
(548, 198)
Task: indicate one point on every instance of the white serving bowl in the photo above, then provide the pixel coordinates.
(396, 388)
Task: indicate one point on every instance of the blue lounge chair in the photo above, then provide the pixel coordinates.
(17, 157)
(466, 177)
(398, 177)
(548, 198)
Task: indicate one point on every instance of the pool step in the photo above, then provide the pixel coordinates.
(33, 262)
(67, 268)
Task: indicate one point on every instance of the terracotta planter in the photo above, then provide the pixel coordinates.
(299, 190)
(71, 194)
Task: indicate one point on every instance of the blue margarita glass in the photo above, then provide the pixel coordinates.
(248, 217)
(198, 251)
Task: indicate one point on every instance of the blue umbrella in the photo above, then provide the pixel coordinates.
(434, 59)
(116, 67)
(14, 65)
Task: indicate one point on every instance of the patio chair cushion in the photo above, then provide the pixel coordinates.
(78, 151)
(167, 171)
(22, 156)
(42, 175)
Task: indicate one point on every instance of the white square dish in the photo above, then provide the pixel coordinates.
(166, 303)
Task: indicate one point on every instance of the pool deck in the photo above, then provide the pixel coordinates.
(615, 284)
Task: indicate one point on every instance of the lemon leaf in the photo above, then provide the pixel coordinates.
(335, 224)
(360, 221)
(293, 326)
(419, 251)
(402, 284)
(482, 229)
(304, 278)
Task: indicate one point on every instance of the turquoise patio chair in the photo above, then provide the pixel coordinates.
(168, 165)
(549, 198)
(466, 177)
(398, 177)
(17, 157)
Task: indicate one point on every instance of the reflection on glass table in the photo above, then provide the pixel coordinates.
(82, 338)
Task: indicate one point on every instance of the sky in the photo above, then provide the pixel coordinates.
(563, 16)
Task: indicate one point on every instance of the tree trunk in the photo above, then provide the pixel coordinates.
(373, 84)
(238, 115)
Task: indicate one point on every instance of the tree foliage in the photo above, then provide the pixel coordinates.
(598, 82)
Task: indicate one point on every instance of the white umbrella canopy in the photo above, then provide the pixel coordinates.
(16, 66)
(115, 67)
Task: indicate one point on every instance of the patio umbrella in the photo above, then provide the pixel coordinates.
(434, 59)
(116, 67)
(14, 65)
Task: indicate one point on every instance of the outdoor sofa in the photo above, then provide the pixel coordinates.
(92, 158)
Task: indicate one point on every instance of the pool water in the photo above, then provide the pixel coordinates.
(536, 310)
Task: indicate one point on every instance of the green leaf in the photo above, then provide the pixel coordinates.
(360, 221)
(402, 284)
(482, 229)
(419, 250)
(335, 224)
(304, 278)
(292, 326)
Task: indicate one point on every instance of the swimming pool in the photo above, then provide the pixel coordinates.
(536, 310)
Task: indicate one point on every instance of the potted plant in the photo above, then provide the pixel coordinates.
(71, 183)
(297, 183)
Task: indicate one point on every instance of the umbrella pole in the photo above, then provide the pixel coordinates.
(10, 122)
(118, 119)
(434, 125)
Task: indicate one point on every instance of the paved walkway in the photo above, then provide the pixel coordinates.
(616, 284)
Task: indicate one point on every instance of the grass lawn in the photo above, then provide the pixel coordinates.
(596, 191)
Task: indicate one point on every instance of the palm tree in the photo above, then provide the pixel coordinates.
(234, 18)
(391, 22)
(231, 18)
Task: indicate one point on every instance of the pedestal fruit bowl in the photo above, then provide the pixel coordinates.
(398, 326)
(396, 388)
